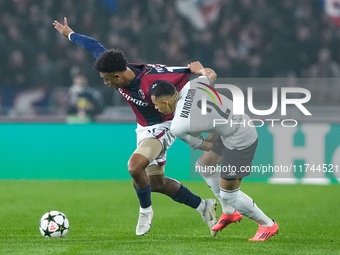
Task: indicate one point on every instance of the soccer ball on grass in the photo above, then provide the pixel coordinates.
(54, 224)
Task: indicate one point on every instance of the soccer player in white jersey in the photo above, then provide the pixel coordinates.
(198, 109)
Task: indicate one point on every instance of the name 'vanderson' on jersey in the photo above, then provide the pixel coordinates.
(137, 93)
(189, 122)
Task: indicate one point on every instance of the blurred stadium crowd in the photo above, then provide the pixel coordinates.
(249, 38)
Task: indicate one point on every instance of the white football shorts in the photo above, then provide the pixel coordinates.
(162, 133)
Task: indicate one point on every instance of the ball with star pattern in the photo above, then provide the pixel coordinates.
(54, 224)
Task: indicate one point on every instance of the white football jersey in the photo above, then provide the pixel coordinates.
(200, 109)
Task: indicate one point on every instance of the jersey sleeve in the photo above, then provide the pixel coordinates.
(87, 43)
(202, 78)
(193, 141)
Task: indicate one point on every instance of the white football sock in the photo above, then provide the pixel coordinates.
(146, 210)
(213, 181)
(201, 207)
(245, 205)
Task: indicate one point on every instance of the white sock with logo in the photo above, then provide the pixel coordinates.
(245, 205)
(213, 181)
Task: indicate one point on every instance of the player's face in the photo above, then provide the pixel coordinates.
(162, 104)
(113, 80)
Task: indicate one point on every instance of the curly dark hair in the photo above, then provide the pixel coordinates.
(162, 88)
(111, 61)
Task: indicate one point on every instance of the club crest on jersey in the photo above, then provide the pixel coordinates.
(141, 94)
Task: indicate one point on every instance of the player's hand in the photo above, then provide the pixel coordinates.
(206, 146)
(212, 138)
(65, 30)
(196, 67)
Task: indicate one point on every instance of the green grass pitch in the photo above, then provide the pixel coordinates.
(103, 216)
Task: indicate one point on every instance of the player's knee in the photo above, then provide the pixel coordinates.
(137, 164)
(135, 168)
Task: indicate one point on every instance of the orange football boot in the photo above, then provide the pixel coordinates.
(263, 233)
(225, 220)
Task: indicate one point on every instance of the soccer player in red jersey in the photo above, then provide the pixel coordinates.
(146, 164)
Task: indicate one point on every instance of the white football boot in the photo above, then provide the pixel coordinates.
(209, 215)
(144, 222)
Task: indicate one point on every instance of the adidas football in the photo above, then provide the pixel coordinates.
(54, 224)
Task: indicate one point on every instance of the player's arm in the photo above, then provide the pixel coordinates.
(84, 41)
(195, 142)
(197, 68)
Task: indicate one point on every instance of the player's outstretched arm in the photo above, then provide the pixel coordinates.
(84, 41)
(197, 68)
(65, 30)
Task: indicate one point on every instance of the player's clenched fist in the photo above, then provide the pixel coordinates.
(195, 67)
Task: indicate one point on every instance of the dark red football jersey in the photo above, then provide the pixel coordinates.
(137, 93)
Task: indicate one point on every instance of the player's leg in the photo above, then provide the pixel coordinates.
(212, 178)
(230, 191)
(171, 187)
(160, 183)
(152, 144)
(136, 167)
(207, 167)
(181, 194)
(147, 150)
(231, 182)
